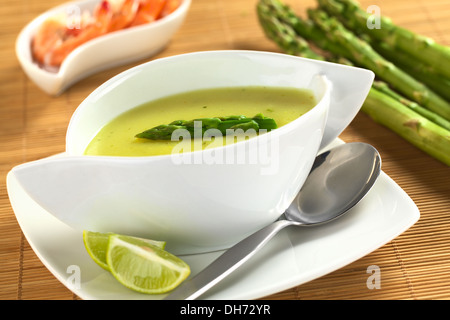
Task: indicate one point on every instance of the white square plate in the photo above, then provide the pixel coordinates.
(293, 257)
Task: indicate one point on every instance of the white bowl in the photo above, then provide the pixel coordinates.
(195, 207)
(110, 50)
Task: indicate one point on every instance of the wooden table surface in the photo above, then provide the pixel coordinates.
(415, 265)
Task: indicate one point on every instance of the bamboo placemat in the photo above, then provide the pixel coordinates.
(415, 265)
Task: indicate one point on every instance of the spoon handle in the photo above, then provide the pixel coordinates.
(229, 261)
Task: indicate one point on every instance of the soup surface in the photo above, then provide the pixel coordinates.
(117, 138)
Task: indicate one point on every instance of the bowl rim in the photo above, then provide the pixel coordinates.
(123, 76)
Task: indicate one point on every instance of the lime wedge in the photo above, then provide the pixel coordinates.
(144, 267)
(96, 244)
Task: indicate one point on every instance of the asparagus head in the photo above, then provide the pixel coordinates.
(225, 125)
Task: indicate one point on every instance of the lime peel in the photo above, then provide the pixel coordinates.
(160, 270)
(147, 253)
(96, 244)
(139, 264)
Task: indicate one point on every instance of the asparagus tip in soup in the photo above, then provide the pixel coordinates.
(277, 106)
(214, 126)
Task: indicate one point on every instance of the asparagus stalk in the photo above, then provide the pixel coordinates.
(198, 127)
(390, 110)
(272, 14)
(419, 131)
(284, 35)
(363, 54)
(308, 31)
(437, 119)
(427, 74)
(423, 49)
(305, 29)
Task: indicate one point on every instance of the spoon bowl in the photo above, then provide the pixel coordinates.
(104, 52)
(339, 179)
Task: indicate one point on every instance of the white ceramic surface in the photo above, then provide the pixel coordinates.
(295, 256)
(113, 49)
(195, 207)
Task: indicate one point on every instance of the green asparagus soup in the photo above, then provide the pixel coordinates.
(118, 138)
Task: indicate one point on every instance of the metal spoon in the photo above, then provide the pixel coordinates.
(338, 180)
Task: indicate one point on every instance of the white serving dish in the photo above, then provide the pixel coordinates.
(158, 197)
(110, 50)
(293, 257)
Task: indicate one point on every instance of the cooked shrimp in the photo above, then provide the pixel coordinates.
(149, 11)
(169, 7)
(123, 13)
(55, 39)
(46, 38)
(96, 28)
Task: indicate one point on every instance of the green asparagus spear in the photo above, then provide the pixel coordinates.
(384, 88)
(198, 127)
(265, 123)
(424, 134)
(425, 73)
(161, 132)
(305, 29)
(391, 112)
(284, 35)
(423, 49)
(281, 25)
(237, 124)
(363, 54)
(278, 18)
